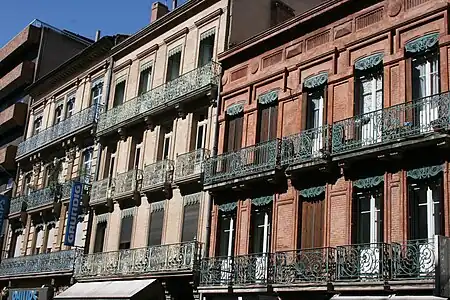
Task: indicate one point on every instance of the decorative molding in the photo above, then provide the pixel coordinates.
(226, 207)
(294, 50)
(176, 35)
(103, 218)
(315, 81)
(157, 206)
(192, 199)
(312, 192)
(425, 172)
(208, 33)
(121, 66)
(423, 43)
(394, 7)
(261, 201)
(369, 182)
(369, 62)
(235, 109)
(254, 66)
(128, 212)
(175, 50)
(208, 18)
(268, 97)
(148, 51)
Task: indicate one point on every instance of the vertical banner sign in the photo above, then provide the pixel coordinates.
(72, 216)
(4, 208)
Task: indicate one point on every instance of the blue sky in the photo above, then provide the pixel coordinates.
(81, 16)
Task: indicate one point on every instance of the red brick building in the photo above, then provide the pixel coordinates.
(331, 177)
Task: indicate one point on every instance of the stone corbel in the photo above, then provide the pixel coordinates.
(181, 111)
(150, 123)
(122, 133)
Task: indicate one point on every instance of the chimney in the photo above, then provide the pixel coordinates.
(97, 35)
(158, 10)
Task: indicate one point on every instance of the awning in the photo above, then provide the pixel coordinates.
(389, 297)
(121, 289)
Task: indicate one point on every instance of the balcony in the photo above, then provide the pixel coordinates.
(13, 117)
(8, 157)
(367, 264)
(76, 123)
(242, 165)
(157, 176)
(100, 191)
(392, 127)
(126, 184)
(189, 166)
(305, 149)
(188, 86)
(154, 261)
(53, 263)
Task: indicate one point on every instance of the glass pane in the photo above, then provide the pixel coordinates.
(200, 133)
(364, 228)
(224, 235)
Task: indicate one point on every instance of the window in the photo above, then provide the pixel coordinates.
(165, 140)
(268, 116)
(368, 215)
(39, 239)
(37, 124)
(226, 234)
(156, 227)
(79, 234)
(190, 222)
(135, 153)
(198, 132)
(126, 231)
(425, 208)
(58, 113)
(26, 184)
(119, 93)
(145, 79)
(315, 109)
(16, 243)
(86, 170)
(206, 50)
(260, 232)
(96, 93)
(312, 222)
(173, 65)
(100, 237)
(70, 106)
(50, 238)
(233, 138)
(110, 162)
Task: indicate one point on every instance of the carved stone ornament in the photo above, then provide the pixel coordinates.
(228, 206)
(369, 62)
(423, 43)
(394, 7)
(254, 66)
(426, 172)
(261, 201)
(312, 192)
(268, 97)
(369, 182)
(315, 81)
(235, 109)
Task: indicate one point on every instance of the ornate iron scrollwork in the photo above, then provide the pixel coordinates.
(226, 207)
(261, 201)
(369, 62)
(423, 43)
(315, 81)
(369, 182)
(312, 192)
(235, 109)
(269, 97)
(425, 172)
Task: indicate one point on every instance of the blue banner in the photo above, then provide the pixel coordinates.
(4, 210)
(72, 216)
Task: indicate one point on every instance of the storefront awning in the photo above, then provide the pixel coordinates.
(390, 297)
(125, 289)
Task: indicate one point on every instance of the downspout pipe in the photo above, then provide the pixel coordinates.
(87, 242)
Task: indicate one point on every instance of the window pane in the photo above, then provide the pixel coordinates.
(173, 66)
(190, 222)
(156, 227)
(144, 81)
(119, 94)
(100, 237)
(224, 235)
(126, 232)
(206, 50)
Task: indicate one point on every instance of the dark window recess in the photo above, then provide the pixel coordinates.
(260, 229)
(367, 224)
(224, 230)
(312, 223)
(119, 94)
(126, 230)
(165, 138)
(12, 244)
(280, 12)
(173, 66)
(100, 237)
(156, 227)
(135, 153)
(190, 222)
(233, 138)
(268, 116)
(144, 80)
(206, 50)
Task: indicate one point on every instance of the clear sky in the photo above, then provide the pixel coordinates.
(81, 16)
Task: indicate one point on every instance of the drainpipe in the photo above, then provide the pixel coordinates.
(87, 242)
(214, 153)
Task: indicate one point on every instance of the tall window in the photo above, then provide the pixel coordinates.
(312, 222)
(226, 234)
(26, 184)
(368, 215)
(260, 229)
(190, 217)
(37, 125)
(58, 113)
(87, 165)
(198, 131)
(70, 106)
(16, 243)
(268, 116)
(96, 93)
(145, 79)
(206, 50)
(100, 236)
(165, 141)
(38, 238)
(156, 227)
(135, 154)
(126, 231)
(173, 64)
(110, 162)
(79, 242)
(51, 231)
(119, 93)
(233, 138)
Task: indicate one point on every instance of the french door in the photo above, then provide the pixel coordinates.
(260, 243)
(315, 120)
(371, 103)
(226, 246)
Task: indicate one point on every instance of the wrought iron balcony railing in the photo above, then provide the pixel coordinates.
(373, 263)
(305, 146)
(53, 262)
(157, 99)
(17, 204)
(67, 127)
(157, 174)
(126, 183)
(190, 164)
(247, 161)
(100, 191)
(163, 259)
(395, 123)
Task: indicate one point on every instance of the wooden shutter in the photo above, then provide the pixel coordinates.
(307, 225)
(190, 222)
(304, 116)
(100, 237)
(273, 122)
(234, 134)
(312, 223)
(264, 122)
(126, 230)
(239, 127)
(156, 227)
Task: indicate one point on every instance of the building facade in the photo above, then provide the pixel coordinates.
(58, 150)
(331, 178)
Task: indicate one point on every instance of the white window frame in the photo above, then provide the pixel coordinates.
(167, 142)
(71, 99)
